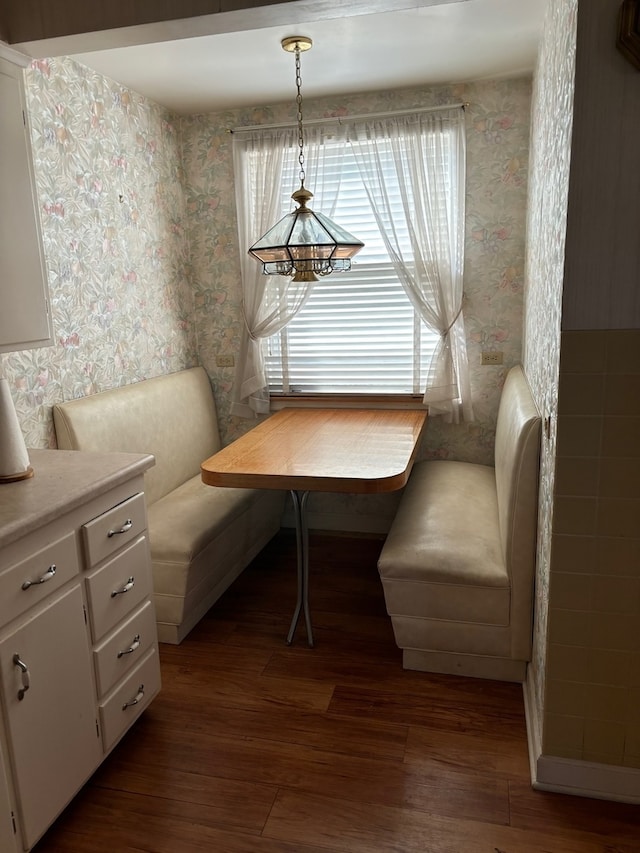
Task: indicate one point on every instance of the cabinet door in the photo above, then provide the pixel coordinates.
(24, 319)
(8, 843)
(52, 730)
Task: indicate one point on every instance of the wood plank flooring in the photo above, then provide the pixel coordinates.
(256, 747)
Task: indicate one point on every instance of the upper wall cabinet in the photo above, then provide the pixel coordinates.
(25, 320)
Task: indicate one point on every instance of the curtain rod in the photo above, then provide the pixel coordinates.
(340, 119)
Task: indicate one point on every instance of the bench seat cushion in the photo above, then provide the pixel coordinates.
(443, 557)
(184, 522)
(200, 534)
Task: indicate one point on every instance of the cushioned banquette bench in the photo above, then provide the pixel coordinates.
(201, 537)
(458, 564)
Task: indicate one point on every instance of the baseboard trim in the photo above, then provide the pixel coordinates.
(571, 776)
(587, 779)
(533, 724)
(457, 663)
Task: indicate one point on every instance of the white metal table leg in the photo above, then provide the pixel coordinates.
(302, 542)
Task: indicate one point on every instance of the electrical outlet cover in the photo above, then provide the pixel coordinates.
(225, 361)
(492, 357)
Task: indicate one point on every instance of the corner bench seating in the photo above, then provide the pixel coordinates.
(458, 564)
(201, 537)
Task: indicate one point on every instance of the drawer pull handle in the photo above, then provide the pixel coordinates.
(26, 678)
(45, 577)
(124, 529)
(137, 698)
(129, 585)
(134, 645)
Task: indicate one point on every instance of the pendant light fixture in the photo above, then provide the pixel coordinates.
(304, 244)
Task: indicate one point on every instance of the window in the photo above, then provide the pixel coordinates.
(358, 333)
(394, 324)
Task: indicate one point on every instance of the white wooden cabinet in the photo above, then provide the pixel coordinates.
(78, 644)
(51, 726)
(25, 320)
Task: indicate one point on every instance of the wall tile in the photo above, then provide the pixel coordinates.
(620, 478)
(605, 702)
(563, 736)
(569, 663)
(622, 394)
(617, 517)
(583, 352)
(581, 394)
(632, 715)
(617, 556)
(616, 594)
(605, 739)
(579, 436)
(615, 631)
(623, 351)
(620, 436)
(575, 515)
(577, 476)
(632, 742)
(571, 591)
(570, 627)
(574, 553)
(605, 666)
(565, 697)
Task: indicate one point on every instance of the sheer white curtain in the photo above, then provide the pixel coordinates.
(262, 159)
(422, 156)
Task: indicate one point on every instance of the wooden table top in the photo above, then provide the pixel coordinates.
(364, 451)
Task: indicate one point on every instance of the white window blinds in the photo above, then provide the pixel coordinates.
(358, 333)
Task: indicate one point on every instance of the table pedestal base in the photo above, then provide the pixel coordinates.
(302, 543)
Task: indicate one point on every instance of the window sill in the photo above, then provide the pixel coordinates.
(346, 401)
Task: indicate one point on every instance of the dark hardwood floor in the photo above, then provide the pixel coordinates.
(256, 746)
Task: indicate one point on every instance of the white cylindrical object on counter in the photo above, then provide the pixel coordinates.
(14, 458)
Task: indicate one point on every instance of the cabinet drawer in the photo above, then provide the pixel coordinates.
(113, 529)
(28, 582)
(117, 587)
(129, 699)
(122, 649)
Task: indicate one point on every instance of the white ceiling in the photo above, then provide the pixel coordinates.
(451, 41)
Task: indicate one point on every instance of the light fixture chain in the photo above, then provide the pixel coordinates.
(299, 103)
(303, 244)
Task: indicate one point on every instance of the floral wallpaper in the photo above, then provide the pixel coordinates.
(139, 228)
(552, 113)
(497, 163)
(111, 201)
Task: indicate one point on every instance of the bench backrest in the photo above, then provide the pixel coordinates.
(517, 465)
(173, 417)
